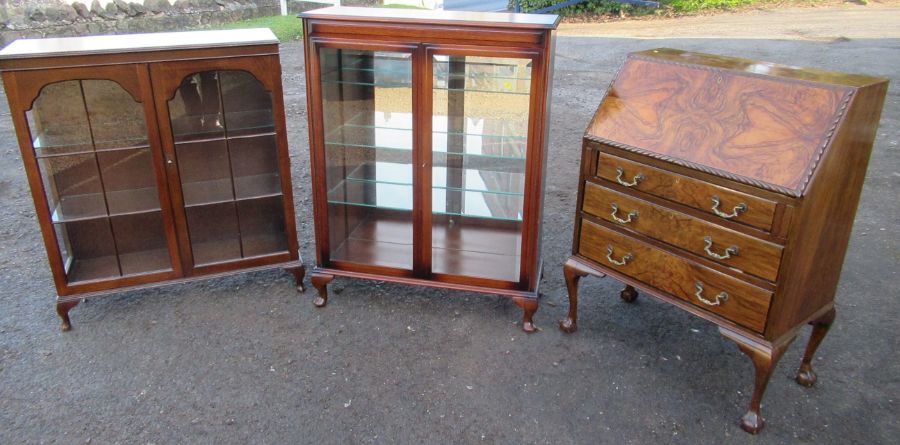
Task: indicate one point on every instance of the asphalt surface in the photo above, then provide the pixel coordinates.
(248, 360)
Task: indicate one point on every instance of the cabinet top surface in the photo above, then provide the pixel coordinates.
(759, 123)
(71, 46)
(495, 19)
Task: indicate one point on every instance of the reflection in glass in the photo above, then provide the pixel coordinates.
(480, 119)
(90, 139)
(225, 142)
(367, 117)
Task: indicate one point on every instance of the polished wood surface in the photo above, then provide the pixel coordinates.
(691, 192)
(121, 224)
(114, 44)
(417, 219)
(784, 151)
(750, 127)
(730, 248)
(409, 16)
(746, 305)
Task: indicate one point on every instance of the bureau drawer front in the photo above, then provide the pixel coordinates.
(745, 304)
(757, 212)
(725, 246)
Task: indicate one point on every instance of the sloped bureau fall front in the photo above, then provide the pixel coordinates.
(727, 187)
(153, 158)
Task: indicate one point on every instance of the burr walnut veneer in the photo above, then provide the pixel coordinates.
(727, 187)
(153, 158)
(428, 139)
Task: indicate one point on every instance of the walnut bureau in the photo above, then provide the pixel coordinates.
(728, 188)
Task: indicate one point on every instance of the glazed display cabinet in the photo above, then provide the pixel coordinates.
(153, 158)
(428, 142)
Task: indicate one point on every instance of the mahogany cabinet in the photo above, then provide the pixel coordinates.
(428, 140)
(726, 187)
(153, 158)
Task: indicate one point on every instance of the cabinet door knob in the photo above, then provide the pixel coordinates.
(169, 161)
(708, 242)
(634, 181)
(720, 298)
(625, 259)
(737, 210)
(632, 215)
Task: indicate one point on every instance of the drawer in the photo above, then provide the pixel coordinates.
(728, 247)
(721, 294)
(713, 199)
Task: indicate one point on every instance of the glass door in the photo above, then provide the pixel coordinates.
(480, 109)
(90, 140)
(367, 120)
(226, 148)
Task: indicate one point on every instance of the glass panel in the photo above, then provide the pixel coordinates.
(255, 164)
(205, 171)
(129, 180)
(58, 120)
(214, 233)
(91, 142)
(73, 187)
(141, 243)
(117, 121)
(480, 140)
(248, 106)
(228, 163)
(367, 113)
(196, 109)
(90, 250)
(262, 226)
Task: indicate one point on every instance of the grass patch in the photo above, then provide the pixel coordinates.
(286, 27)
(609, 7)
(396, 6)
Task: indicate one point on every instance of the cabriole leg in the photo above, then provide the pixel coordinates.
(629, 294)
(573, 272)
(805, 375)
(320, 282)
(299, 272)
(530, 306)
(764, 361)
(62, 309)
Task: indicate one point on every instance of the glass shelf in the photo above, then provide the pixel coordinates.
(228, 165)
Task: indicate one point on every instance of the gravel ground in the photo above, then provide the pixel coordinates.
(248, 360)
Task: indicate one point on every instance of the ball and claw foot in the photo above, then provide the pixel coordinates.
(320, 282)
(805, 375)
(629, 294)
(752, 422)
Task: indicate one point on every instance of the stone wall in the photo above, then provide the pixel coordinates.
(57, 18)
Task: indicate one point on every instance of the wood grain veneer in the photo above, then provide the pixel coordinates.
(780, 152)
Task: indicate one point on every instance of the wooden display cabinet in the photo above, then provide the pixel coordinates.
(428, 142)
(726, 187)
(154, 158)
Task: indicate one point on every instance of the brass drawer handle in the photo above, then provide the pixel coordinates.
(632, 215)
(634, 181)
(729, 252)
(738, 209)
(625, 259)
(721, 298)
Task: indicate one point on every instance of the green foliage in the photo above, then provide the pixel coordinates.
(285, 27)
(605, 7)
